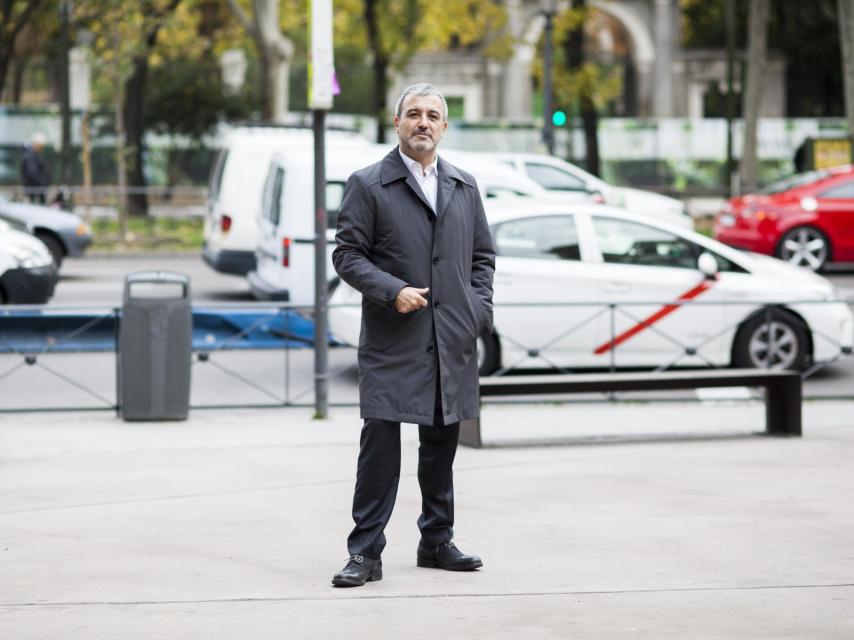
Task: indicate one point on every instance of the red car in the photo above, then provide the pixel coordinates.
(807, 219)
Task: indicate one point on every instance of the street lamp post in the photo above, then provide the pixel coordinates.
(548, 9)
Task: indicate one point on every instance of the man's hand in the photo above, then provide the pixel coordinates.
(410, 299)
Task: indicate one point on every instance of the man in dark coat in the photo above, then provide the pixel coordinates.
(413, 239)
(34, 175)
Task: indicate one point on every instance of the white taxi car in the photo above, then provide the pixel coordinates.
(588, 286)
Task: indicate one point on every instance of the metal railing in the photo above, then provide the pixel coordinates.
(260, 355)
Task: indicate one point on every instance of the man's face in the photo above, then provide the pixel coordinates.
(421, 125)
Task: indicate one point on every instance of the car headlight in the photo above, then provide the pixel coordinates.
(30, 258)
(83, 229)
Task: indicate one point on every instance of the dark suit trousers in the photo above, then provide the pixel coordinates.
(377, 478)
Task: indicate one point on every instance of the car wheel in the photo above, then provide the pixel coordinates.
(488, 354)
(780, 341)
(54, 246)
(805, 247)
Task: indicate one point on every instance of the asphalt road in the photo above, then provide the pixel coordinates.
(236, 378)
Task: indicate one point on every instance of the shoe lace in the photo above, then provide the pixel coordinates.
(357, 558)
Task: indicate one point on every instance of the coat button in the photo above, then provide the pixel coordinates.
(437, 304)
(430, 349)
(436, 260)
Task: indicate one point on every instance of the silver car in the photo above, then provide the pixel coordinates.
(64, 233)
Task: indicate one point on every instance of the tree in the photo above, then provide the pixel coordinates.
(134, 91)
(394, 30)
(757, 28)
(123, 38)
(846, 39)
(579, 80)
(14, 15)
(805, 33)
(275, 52)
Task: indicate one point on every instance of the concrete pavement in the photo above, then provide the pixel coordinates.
(230, 525)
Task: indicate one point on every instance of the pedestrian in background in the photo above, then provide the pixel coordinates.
(35, 177)
(413, 239)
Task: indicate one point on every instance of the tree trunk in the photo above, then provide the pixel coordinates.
(10, 27)
(20, 67)
(5, 57)
(380, 92)
(846, 42)
(757, 29)
(137, 199)
(134, 120)
(277, 71)
(574, 48)
(121, 174)
(264, 64)
(276, 52)
(380, 68)
(590, 118)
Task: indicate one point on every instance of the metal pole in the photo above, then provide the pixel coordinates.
(729, 18)
(548, 130)
(321, 343)
(65, 96)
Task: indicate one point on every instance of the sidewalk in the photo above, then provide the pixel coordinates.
(231, 524)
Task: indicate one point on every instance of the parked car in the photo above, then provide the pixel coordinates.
(590, 286)
(237, 185)
(558, 175)
(64, 233)
(27, 271)
(285, 248)
(806, 219)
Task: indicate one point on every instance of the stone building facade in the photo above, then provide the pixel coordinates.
(661, 79)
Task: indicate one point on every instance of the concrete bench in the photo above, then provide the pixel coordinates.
(782, 398)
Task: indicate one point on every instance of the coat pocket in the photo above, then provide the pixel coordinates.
(478, 312)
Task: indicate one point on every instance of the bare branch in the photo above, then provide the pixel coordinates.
(242, 18)
(24, 17)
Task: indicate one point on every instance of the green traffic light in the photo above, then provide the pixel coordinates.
(559, 118)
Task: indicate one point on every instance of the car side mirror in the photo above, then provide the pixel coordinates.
(707, 265)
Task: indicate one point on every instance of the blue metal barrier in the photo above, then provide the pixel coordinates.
(36, 330)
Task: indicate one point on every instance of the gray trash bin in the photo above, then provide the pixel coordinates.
(155, 347)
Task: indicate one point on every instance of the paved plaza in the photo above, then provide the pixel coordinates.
(230, 525)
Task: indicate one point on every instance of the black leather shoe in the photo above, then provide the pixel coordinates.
(358, 571)
(447, 556)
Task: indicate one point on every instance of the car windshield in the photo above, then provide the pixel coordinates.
(796, 180)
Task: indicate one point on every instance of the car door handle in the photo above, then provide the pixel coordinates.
(616, 287)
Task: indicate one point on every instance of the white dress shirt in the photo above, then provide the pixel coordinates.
(427, 179)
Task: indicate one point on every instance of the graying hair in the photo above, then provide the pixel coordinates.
(420, 89)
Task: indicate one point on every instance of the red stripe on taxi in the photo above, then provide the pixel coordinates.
(666, 310)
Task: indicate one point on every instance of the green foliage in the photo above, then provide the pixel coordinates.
(600, 83)
(408, 26)
(805, 33)
(187, 97)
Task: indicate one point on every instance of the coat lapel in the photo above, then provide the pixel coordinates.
(448, 178)
(393, 169)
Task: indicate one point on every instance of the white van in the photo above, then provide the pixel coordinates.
(285, 247)
(285, 253)
(236, 185)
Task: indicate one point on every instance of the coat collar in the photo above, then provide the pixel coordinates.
(393, 168)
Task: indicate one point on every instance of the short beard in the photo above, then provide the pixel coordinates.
(420, 145)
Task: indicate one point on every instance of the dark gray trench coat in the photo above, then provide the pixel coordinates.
(388, 237)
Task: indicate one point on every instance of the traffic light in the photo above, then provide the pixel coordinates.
(558, 118)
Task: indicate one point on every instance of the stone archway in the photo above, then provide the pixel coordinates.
(527, 22)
